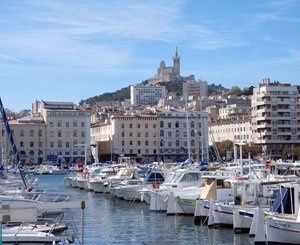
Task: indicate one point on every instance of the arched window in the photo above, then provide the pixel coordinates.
(161, 133)
(161, 143)
(177, 133)
(31, 152)
(161, 124)
(192, 133)
(192, 124)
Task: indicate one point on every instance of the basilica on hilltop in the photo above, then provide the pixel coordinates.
(167, 73)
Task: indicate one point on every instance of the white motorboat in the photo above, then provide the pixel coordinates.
(215, 188)
(17, 235)
(182, 178)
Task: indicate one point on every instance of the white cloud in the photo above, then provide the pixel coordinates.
(10, 58)
(72, 33)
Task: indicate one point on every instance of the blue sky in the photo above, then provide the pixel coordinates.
(71, 50)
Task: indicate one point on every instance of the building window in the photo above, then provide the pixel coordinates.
(161, 124)
(161, 133)
(22, 133)
(40, 133)
(146, 125)
(131, 151)
(146, 134)
(177, 133)
(122, 134)
(139, 143)
(122, 125)
(67, 124)
(139, 134)
(154, 134)
(67, 134)
(59, 143)
(67, 144)
(170, 144)
(139, 151)
(59, 133)
(192, 142)
(75, 133)
(176, 124)
(130, 125)
(170, 134)
(154, 125)
(31, 133)
(82, 134)
(146, 142)
(74, 124)
(21, 144)
(31, 144)
(82, 124)
(130, 142)
(59, 124)
(50, 124)
(40, 144)
(123, 142)
(192, 133)
(75, 143)
(169, 125)
(51, 144)
(177, 143)
(139, 125)
(161, 143)
(192, 124)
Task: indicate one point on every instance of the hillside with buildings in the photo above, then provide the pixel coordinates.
(168, 77)
(148, 122)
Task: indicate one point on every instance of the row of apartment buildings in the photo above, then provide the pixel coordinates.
(163, 135)
(54, 132)
(272, 120)
(61, 132)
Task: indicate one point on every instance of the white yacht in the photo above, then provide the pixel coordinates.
(182, 179)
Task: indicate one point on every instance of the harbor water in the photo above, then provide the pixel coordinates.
(109, 220)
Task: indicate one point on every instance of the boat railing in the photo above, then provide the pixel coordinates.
(38, 196)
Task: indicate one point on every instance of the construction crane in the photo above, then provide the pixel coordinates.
(12, 142)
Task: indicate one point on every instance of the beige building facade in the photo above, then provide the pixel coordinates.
(238, 131)
(30, 139)
(152, 137)
(56, 132)
(275, 116)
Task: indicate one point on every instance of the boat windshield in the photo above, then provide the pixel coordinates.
(193, 176)
(176, 177)
(127, 172)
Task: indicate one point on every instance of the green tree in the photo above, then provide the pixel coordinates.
(236, 91)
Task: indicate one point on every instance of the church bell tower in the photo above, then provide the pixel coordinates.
(176, 64)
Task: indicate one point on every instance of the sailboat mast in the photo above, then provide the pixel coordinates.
(187, 128)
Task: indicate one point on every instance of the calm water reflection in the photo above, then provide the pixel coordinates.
(110, 220)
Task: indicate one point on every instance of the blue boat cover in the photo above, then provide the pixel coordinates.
(284, 198)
